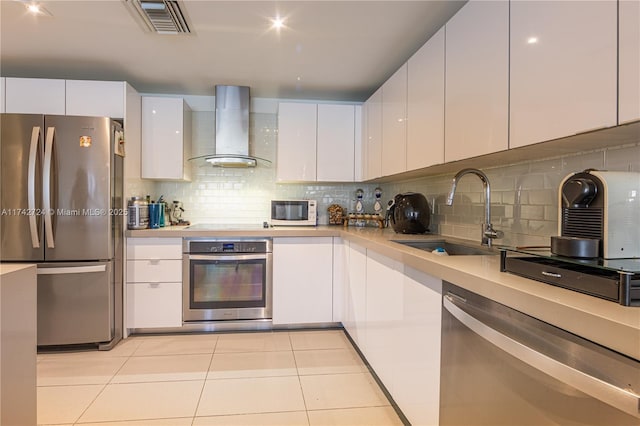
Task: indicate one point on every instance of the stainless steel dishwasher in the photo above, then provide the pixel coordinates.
(502, 367)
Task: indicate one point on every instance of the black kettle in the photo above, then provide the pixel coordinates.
(409, 213)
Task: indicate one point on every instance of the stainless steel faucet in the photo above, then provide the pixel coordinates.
(488, 233)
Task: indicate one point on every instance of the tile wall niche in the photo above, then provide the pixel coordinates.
(242, 196)
(524, 196)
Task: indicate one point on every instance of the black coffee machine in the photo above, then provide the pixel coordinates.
(409, 213)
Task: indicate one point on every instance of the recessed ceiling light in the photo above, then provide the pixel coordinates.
(277, 22)
(36, 8)
(532, 40)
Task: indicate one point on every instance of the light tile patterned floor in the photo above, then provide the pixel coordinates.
(267, 378)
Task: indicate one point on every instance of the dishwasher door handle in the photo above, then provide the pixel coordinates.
(621, 399)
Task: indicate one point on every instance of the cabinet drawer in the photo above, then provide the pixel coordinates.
(154, 305)
(154, 248)
(154, 271)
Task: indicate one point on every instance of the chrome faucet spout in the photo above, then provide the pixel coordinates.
(488, 233)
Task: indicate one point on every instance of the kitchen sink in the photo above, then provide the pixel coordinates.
(454, 249)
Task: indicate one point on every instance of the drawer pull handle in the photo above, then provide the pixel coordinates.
(551, 274)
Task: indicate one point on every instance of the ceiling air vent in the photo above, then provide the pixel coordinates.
(160, 16)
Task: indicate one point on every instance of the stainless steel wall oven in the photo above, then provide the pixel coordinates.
(227, 279)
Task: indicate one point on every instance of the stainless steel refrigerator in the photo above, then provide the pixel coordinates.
(61, 201)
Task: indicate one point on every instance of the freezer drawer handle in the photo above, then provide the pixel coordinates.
(46, 186)
(622, 399)
(31, 187)
(72, 270)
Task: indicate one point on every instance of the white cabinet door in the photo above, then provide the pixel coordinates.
(384, 313)
(35, 96)
(152, 305)
(394, 117)
(95, 98)
(296, 151)
(416, 377)
(477, 80)
(425, 105)
(166, 138)
(563, 69)
(340, 277)
(629, 61)
(374, 136)
(336, 143)
(358, 164)
(2, 97)
(302, 280)
(354, 308)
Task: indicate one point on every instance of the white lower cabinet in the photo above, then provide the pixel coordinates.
(354, 287)
(393, 313)
(416, 374)
(154, 283)
(151, 305)
(383, 314)
(302, 280)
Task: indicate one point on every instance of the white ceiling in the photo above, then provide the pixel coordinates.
(340, 50)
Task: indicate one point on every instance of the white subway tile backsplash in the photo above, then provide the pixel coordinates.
(524, 195)
(625, 159)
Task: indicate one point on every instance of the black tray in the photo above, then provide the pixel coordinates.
(615, 280)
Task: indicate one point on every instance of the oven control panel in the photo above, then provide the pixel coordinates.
(223, 247)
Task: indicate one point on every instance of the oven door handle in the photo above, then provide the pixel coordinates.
(228, 256)
(622, 399)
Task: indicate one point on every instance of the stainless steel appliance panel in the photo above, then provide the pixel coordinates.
(77, 188)
(75, 303)
(500, 366)
(227, 280)
(22, 237)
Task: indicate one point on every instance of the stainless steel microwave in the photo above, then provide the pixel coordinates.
(294, 212)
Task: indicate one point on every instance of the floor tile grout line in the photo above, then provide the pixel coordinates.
(304, 400)
(104, 387)
(204, 383)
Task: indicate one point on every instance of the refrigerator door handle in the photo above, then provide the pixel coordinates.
(46, 186)
(31, 187)
(622, 399)
(71, 270)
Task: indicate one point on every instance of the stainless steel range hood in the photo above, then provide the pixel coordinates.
(232, 129)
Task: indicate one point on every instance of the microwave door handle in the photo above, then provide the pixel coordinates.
(621, 399)
(46, 186)
(31, 187)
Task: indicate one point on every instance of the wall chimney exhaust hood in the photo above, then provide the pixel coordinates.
(232, 129)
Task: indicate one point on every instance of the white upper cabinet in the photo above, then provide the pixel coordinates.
(425, 105)
(95, 98)
(477, 80)
(394, 117)
(373, 142)
(35, 96)
(317, 142)
(296, 152)
(2, 90)
(629, 58)
(336, 143)
(166, 138)
(563, 69)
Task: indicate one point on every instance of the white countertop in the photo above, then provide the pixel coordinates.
(604, 322)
